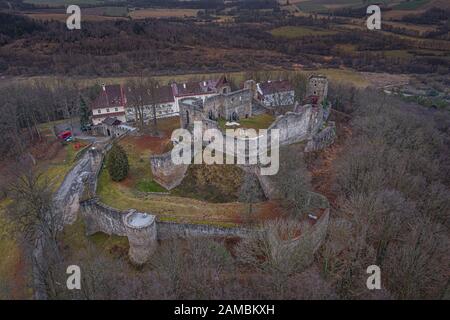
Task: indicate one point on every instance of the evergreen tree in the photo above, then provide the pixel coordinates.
(117, 163)
(84, 113)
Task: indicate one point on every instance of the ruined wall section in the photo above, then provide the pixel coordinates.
(165, 172)
(297, 126)
(102, 218)
(323, 139)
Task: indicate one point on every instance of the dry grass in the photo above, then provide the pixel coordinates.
(344, 75)
(12, 265)
(63, 17)
(293, 32)
(162, 13)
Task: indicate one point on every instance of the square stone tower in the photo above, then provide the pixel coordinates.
(317, 86)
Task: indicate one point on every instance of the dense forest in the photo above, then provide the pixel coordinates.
(173, 45)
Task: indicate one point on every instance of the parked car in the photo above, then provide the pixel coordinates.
(65, 135)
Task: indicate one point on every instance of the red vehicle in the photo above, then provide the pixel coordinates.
(65, 135)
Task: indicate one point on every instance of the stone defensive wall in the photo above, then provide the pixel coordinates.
(165, 172)
(143, 229)
(322, 139)
(303, 125)
(102, 218)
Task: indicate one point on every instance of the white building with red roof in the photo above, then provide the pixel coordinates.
(110, 103)
(276, 93)
(200, 89)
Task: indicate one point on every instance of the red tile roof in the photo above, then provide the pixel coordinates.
(110, 96)
(271, 87)
(198, 88)
(164, 94)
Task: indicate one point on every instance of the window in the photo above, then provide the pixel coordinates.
(99, 111)
(116, 109)
(107, 110)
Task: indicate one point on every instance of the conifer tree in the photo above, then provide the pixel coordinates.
(117, 163)
(84, 113)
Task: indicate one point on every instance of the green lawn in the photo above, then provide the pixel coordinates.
(149, 186)
(311, 6)
(115, 11)
(140, 175)
(262, 121)
(293, 32)
(410, 5)
(74, 239)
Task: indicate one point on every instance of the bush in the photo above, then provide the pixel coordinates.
(117, 163)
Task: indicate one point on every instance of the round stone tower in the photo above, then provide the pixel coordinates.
(141, 232)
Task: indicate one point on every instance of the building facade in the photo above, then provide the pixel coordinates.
(276, 93)
(164, 105)
(200, 89)
(317, 87)
(110, 103)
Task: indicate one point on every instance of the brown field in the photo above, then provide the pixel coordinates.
(349, 75)
(410, 26)
(63, 17)
(162, 13)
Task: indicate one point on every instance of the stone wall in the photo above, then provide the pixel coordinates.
(224, 105)
(171, 230)
(322, 139)
(142, 237)
(317, 86)
(298, 126)
(141, 231)
(165, 172)
(102, 218)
